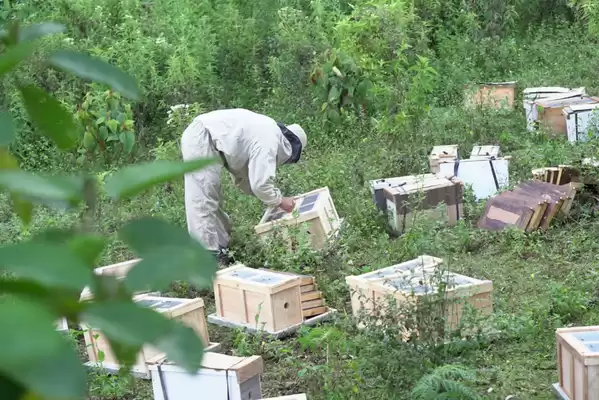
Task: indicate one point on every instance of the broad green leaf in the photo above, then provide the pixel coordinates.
(7, 129)
(113, 125)
(43, 188)
(52, 265)
(36, 31)
(132, 326)
(159, 243)
(23, 208)
(10, 389)
(128, 141)
(35, 354)
(89, 141)
(103, 132)
(54, 236)
(96, 70)
(13, 56)
(134, 179)
(88, 247)
(50, 117)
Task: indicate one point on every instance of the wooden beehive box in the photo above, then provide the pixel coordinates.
(581, 119)
(551, 116)
(118, 270)
(220, 377)
(258, 298)
(484, 152)
(442, 153)
(313, 302)
(187, 311)
(439, 198)
(486, 176)
(490, 94)
(377, 187)
(314, 208)
(408, 284)
(532, 95)
(578, 362)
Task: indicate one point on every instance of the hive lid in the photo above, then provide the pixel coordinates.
(485, 151)
(558, 103)
(390, 182)
(415, 186)
(263, 279)
(546, 89)
(574, 108)
(584, 339)
(509, 83)
(445, 151)
(422, 261)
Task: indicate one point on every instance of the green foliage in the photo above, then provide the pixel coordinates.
(108, 125)
(43, 277)
(443, 383)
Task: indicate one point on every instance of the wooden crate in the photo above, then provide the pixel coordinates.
(258, 298)
(408, 283)
(581, 119)
(578, 362)
(442, 153)
(532, 95)
(511, 209)
(490, 94)
(377, 187)
(220, 377)
(187, 311)
(118, 270)
(439, 198)
(484, 152)
(314, 208)
(486, 176)
(551, 116)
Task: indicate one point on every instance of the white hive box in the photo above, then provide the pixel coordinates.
(377, 188)
(221, 377)
(580, 120)
(410, 283)
(434, 197)
(490, 94)
(551, 116)
(531, 95)
(484, 152)
(442, 153)
(258, 298)
(187, 311)
(486, 176)
(314, 208)
(578, 363)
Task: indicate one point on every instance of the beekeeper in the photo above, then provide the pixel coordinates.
(251, 146)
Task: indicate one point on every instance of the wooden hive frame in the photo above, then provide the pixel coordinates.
(187, 311)
(578, 362)
(258, 298)
(316, 208)
(431, 193)
(378, 286)
(490, 94)
(220, 377)
(442, 153)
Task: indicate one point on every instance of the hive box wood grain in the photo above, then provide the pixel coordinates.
(551, 116)
(532, 95)
(258, 298)
(490, 94)
(408, 283)
(578, 362)
(315, 208)
(486, 176)
(220, 377)
(187, 311)
(438, 198)
(581, 119)
(118, 270)
(442, 153)
(377, 187)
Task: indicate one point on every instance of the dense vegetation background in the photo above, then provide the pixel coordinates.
(375, 84)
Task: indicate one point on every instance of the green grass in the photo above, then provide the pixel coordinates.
(231, 54)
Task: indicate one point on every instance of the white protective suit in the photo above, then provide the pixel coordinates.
(251, 146)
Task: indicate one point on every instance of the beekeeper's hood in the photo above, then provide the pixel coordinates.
(297, 138)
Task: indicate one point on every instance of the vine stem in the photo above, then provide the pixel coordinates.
(91, 203)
